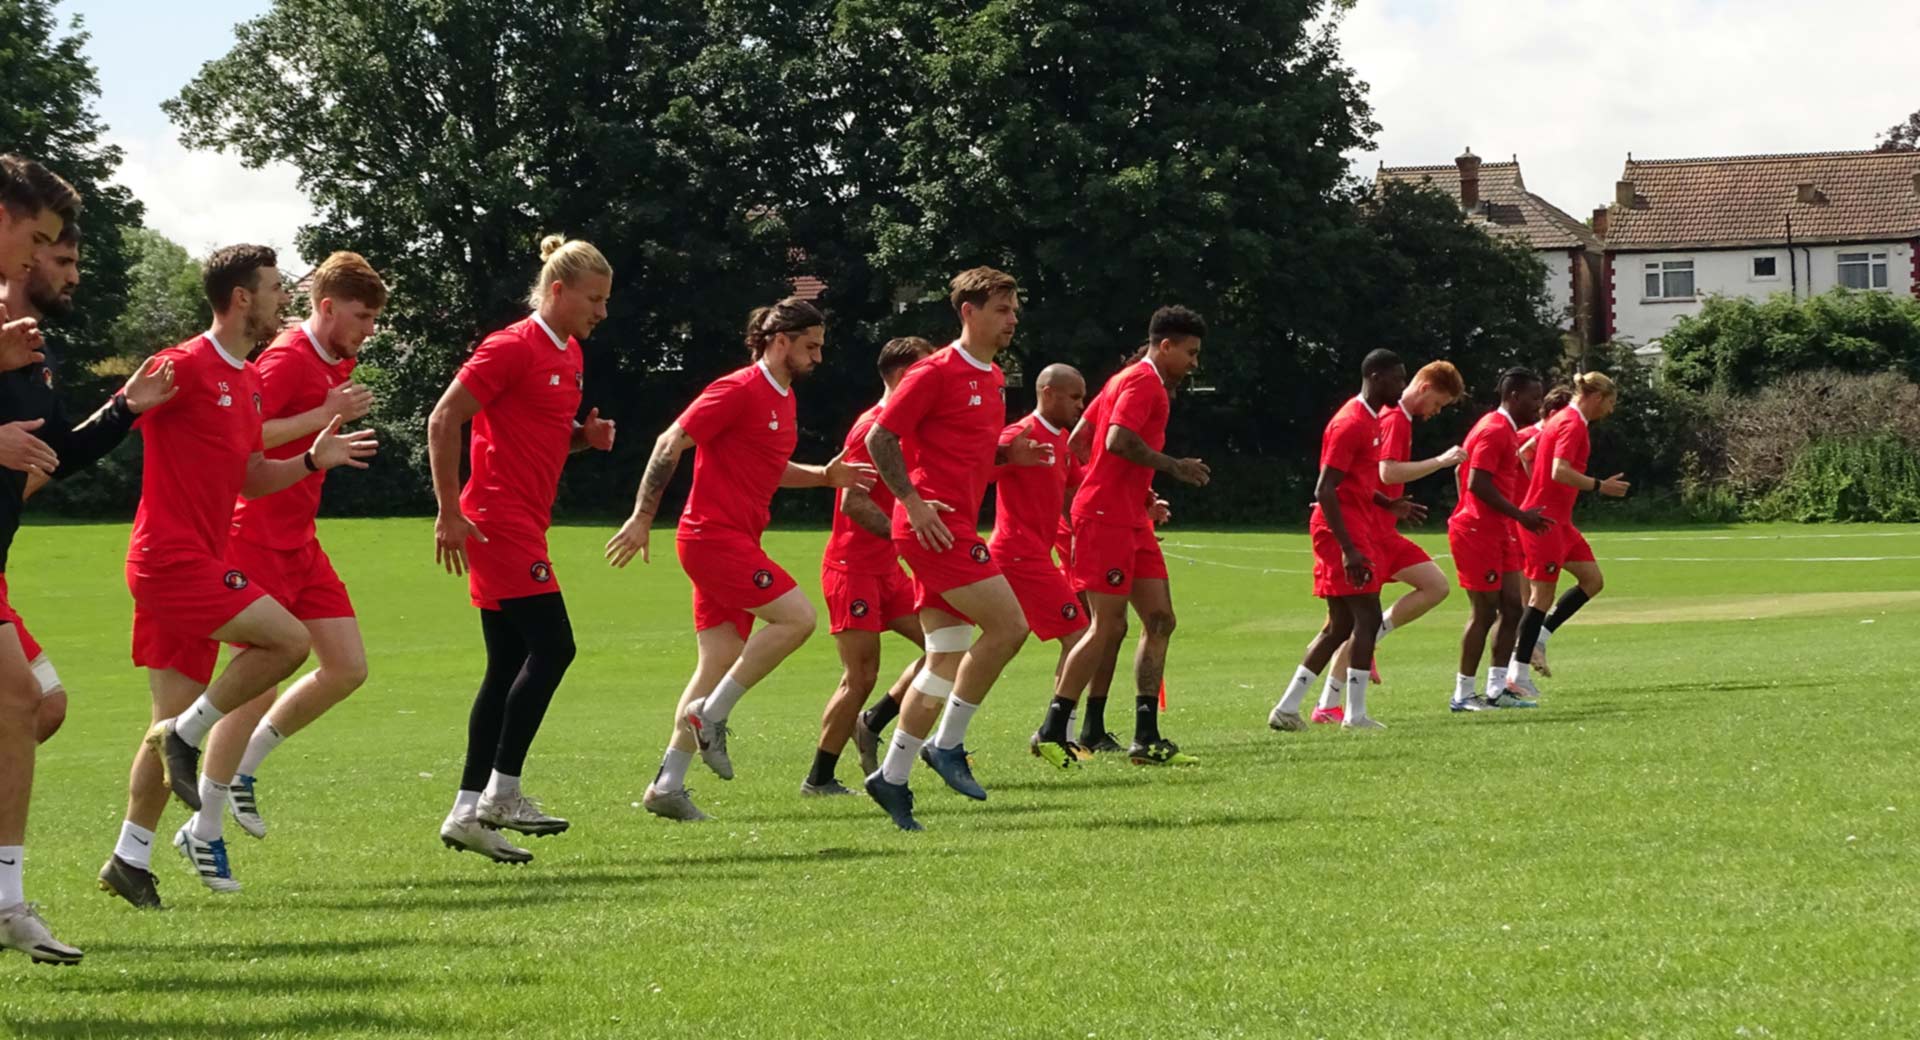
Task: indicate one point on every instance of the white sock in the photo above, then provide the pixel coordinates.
(719, 704)
(673, 770)
(135, 845)
(265, 738)
(953, 724)
(1330, 693)
(1296, 690)
(900, 755)
(1517, 670)
(1545, 634)
(1357, 679)
(192, 725)
(1496, 682)
(500, 786)
(1462, 687)
(465, 803)
(1386, 625)
(12, 862)
(213, 809)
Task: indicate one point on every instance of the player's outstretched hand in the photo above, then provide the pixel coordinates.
(1533, 520)
(1160, 511)
(1404, 508)
(1453, 456)
(1025, 451)
(20, 342)
(450, 534)
(349, 401)
(599, 431)
(843, 474)
(1359, 568)
(21, 450)
(1615, 486)
(150, 386)
(928, 528)
(631, 540)
(1191, 471)
(333, 448)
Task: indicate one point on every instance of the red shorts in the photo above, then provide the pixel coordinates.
(1549, 551)
(1046, 597)
(731, 576)
(178, 606)
(1109, 558)
(966, 562)
(864, 600)
(302, 579)
(10, 616)
(512, 563)
(1329, 565)
(1396, 551)
(1484, 553)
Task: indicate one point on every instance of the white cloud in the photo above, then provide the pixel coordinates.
(1572, 86)
(204, 200)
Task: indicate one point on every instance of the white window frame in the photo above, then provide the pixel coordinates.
(1753, 262)
(1660, 271)
(1875, 263)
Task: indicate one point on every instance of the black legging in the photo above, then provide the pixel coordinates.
(529, 646)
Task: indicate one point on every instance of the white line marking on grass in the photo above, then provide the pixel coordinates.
(1232, 566)
(1756, 559)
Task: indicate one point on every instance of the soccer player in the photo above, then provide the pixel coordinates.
(521, 389)
(1484, 537)
(745, 429)
(203, 450)
(1557, 398)
(1559, 477)
(948, 412)
(867, 593)
(1434, 387)
(1116, 558)
(1345, 569)
(306, 380)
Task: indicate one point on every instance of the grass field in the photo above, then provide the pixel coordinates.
(1710, 829)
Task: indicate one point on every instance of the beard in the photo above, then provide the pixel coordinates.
(50, 303)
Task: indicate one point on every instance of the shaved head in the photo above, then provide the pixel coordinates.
(1063, 394)
(1052, 375)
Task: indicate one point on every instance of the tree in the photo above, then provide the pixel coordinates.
(47, 91)
(1736, 345)
(1902, 137)
(165, 301)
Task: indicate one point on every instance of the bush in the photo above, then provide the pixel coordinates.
(1763, 435)
(1737, 345)
(1873, 478)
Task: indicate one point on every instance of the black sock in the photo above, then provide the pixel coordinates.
(506, 655)
(884, 710)
(823, 764)
(1570, 603)
(1093, 720)
(1146, 719)
(1055, 726)
(542, 623)
(1530, 623)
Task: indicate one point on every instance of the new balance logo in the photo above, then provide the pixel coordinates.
(553, 380)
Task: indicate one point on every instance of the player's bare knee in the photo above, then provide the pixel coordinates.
(1160, 624)
(1592, 584)
(50, 715)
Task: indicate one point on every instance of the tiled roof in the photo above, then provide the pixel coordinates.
(1506, 208)
(1747, 200)
(807, 287)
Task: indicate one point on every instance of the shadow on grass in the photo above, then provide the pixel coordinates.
(223, 1024)
(242, 950)
(1190, 821)
(1733, 685)
(268, 980)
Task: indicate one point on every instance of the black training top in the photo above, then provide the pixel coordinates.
(27, 394)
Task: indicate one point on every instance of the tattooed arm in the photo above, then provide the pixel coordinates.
(863, 510)
(1128, 445)
(632, 537)
(883, 446)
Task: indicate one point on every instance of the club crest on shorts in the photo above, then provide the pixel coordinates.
(1493, 576)
(1070, 611)
(859, 608)
(1116, 576)
(1553, 570)
(235, 580)
(979, 553)
(542, 571)
(763, 579)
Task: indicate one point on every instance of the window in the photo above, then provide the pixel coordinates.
(1863, 270)
(1766, 268)
(1670, 280)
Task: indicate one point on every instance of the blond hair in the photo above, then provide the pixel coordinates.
(565, 260)
(348, 276)
(1595, 384)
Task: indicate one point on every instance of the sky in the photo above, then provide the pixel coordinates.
(1569, 86)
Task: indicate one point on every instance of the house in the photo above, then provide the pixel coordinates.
(1494, 196)
(1680, 230)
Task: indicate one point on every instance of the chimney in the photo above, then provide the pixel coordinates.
(1469, 165)
(1600, 221)
(1807, 192)
(1916, 183)
(1623, 193)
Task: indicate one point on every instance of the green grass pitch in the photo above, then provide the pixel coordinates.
(1710, 829)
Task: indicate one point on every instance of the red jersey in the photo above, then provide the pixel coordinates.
(528, 382)
(951, 406)
(196, 452)
(1396, 443)
(1351, 444)
(295, 375)
(743, 430)
(1030, 498)
(1563, 437)
(1115, 490)
(851, 547)
(1492, 446)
